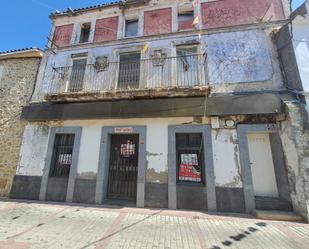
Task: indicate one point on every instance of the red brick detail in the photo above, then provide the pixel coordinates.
(158, 21)
(235, 12)
(186, 24)
(106, 29)
(63, 35)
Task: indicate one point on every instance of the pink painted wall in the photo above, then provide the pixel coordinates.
(235, 12)
(63, 35)
(186, 24)
(158, 21)
(106, 29)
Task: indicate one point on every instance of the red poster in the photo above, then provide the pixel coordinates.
(189, 169)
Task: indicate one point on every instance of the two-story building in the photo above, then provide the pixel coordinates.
(167, 104)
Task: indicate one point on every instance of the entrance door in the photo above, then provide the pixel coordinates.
(262, 166)
(122, 179)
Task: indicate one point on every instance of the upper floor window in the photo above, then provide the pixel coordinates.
(85, 32)
(131, 28)
(185, 20)
(76, 81)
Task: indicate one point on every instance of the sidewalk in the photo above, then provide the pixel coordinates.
(52, 225)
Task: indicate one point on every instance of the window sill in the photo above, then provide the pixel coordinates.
(191, 184)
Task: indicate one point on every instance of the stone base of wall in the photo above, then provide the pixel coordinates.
(26, 187)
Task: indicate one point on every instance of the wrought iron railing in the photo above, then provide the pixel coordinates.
(159, 72)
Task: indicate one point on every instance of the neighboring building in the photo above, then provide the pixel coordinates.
(135, 103)
(18, 70)
(293, 50)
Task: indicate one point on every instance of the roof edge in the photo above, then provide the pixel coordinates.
(22, 53)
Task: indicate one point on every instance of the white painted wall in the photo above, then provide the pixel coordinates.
(33, 151)
(226, 158)
(301, 47)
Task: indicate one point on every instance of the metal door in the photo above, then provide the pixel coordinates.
(122, 179)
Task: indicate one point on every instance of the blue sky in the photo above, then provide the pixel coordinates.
(25, 23)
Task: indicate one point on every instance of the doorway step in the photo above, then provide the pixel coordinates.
(277, 215)
(270, 203)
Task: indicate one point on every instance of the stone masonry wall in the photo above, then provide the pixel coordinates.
(295, 140)
(16, 85)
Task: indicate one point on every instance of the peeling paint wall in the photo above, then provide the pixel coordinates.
(158, 22)
(106, 29)
(226, 158)
(34, 147)
(246, 57)
(63, 35)
(235, 12)
(33, 150)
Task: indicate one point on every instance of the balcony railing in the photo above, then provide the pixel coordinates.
(185, 72)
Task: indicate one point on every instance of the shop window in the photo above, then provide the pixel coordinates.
(185, 20)
(85, 32)
(190, 160)
(131, 28)
(62, 155)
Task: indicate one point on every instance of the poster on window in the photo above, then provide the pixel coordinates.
(189, 168)
(65, 159)
(127, 149)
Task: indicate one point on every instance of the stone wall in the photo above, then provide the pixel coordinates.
(16, 85)
(295, 140)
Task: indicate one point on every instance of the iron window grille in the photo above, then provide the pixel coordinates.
(190, 161)
(62, 155)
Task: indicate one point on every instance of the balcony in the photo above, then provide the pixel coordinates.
(130, 78)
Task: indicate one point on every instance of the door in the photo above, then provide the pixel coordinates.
(123, 169)
(262, 166)
(77, 75)
(187, 66)
(129, 71)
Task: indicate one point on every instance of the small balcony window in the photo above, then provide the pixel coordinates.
(131, 29)
(85, 32)
(185, 20)
(77, 75)
(129, 70)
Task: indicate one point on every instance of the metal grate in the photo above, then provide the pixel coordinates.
(123, 168)
(62, 155)
(190, 162)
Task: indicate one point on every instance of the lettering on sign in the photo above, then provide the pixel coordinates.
(124, 130)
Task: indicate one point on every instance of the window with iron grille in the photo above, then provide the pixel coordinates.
(190, 161)
(62, 155)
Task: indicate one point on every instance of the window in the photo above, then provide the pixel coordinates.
(189, 148)
(187, 65)
(131, 28)
(185, 20)
(77, 75)
(62, 155)
(129, 70)
(84, 32)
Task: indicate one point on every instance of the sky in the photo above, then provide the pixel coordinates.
(25, 23)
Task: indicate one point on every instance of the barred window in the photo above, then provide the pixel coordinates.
(190, 165)
(62, 155)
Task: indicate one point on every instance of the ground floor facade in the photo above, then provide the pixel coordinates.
(226, 164)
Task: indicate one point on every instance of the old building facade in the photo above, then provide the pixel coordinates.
(293, 50)
(169, 104)
(18, 70)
